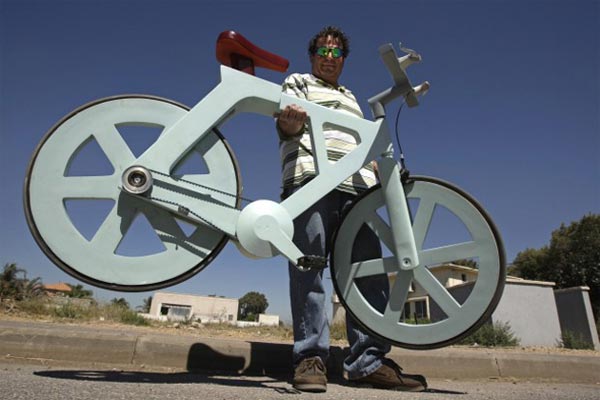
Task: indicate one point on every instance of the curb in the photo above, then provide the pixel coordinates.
(122, 346)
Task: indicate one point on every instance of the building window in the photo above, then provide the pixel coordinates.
(407, 310)
(175, 311)
(421, 309)
(463, 277)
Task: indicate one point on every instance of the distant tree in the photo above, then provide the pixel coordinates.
(9, 281)
(15, 285)
(121, 302)
(530, 263)
(251, 304)
(146, 304)
(571, 259)
(79, 292)
(33, 288)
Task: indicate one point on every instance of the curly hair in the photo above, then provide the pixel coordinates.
(336, 33)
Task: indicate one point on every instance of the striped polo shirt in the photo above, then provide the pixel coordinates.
(296, 152)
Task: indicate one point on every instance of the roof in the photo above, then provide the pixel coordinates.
(454, 267)
(509, 278)
(58, 287)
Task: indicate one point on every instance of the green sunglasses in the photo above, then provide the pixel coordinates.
(335, 52)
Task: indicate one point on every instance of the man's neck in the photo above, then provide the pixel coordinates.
(334, 84)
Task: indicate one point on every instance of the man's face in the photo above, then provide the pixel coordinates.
(327, 68)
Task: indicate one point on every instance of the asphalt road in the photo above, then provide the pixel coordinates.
(22, 380)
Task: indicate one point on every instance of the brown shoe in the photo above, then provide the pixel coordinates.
(311, 375)
(390, 376)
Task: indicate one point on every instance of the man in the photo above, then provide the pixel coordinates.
(366, 365)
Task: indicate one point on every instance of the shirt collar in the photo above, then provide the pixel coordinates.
(341, 88)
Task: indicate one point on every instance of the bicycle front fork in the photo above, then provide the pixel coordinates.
(404, 246)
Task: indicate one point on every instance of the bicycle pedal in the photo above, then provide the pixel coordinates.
(312, 262)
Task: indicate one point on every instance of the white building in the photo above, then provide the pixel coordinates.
(417, 304)
(174, 306)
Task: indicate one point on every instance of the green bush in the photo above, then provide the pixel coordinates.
(492, 335)
(34, 306)
(82, 311)
(573, 340)
(71, 311)
(132, 318)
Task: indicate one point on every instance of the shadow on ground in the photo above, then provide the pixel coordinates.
(268, 363)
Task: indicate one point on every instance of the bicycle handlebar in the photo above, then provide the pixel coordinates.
(402, 86)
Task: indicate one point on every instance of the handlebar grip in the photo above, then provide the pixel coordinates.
(411, 97)
(422, 89)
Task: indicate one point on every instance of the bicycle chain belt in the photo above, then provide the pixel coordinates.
(305, 263)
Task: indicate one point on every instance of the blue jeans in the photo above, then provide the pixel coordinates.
(313, 234)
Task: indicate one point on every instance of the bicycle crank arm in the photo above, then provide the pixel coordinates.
(265, 229)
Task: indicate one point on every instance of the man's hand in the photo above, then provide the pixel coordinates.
(291, 120)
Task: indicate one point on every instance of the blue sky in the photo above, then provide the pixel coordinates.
(512, 116)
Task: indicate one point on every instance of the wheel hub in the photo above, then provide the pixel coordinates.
(137, 180)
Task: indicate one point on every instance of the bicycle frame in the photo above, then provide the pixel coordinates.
(239, 92)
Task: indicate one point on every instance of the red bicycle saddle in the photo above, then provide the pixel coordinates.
(235, 51)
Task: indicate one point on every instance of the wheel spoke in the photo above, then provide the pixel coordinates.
(398, 296)
(114, 228)
(115, 147)
(169, 232)
(376, 266)
(422, 220)
(436, 291)
(381, 229)
(86, 187)
(164, 225)
(449, 253)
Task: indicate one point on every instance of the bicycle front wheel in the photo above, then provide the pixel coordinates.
(459, 279)
(116, 254)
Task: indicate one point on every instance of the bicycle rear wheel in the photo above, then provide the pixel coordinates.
(53, 182)
(443, 299)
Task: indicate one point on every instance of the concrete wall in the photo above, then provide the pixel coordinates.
(263, 320)
(268, 320)
(527, 306)
(575, 314)
(531, 312)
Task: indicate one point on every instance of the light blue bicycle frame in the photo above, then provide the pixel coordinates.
(239, 92)
(263, 228)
